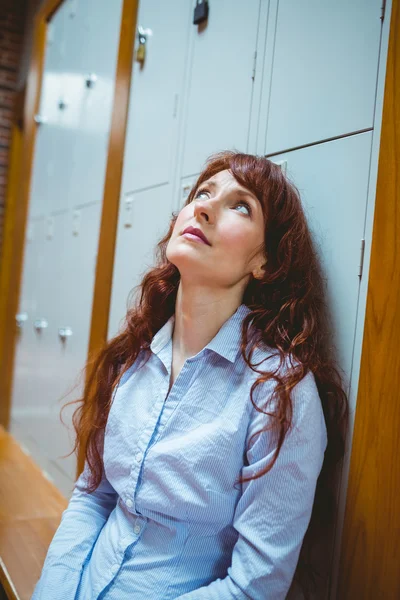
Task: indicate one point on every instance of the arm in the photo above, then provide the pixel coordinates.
(81, 523)
(274, 511)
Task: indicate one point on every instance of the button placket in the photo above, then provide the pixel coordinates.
(143, 442)
(189, 371)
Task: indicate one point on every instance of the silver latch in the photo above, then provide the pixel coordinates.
(64, 333)
(40, 324)
(40, 119)
(21, 318)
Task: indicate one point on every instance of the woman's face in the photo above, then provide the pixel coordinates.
(231, 219)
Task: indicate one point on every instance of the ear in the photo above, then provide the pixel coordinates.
(259, 272)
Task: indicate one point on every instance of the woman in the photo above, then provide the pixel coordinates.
(208, 422)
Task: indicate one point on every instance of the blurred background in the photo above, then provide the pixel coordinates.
(108, 111)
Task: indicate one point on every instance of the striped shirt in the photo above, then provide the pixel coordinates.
(168, 520)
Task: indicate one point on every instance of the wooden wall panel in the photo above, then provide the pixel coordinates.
(370, 557)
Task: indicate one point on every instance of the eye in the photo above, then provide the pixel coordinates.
(246, 205)
(200, 193)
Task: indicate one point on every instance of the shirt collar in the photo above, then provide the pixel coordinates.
(226, 342)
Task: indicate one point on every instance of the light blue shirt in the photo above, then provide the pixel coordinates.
(166, 521)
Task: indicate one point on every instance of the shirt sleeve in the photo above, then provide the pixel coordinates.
(274, 511)
(71, 546)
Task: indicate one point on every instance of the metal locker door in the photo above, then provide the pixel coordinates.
(51, 436)
(155, 104)
(44, 185)
(332, 179)
(70, 313)
(144, 219)
(49, 296)
(220, 82)
(150, 155)
(68, 107)
(25, 381)
(320, 75)
(36, 421)
(77, 284)
(92, 51)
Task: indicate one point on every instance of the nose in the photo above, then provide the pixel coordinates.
(205, 210)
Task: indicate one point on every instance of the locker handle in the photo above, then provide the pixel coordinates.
(40, 119)
(21, 318)
(40, 324)
(64, 333)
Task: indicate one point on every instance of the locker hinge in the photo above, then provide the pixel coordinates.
(253, 76)
(362, 258)
(383, 8)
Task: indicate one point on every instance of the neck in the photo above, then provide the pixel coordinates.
(199, 314)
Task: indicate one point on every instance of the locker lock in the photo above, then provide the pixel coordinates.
(64, 333)
(200, 12)
(90, 80)
(143, 35)
(62, 104)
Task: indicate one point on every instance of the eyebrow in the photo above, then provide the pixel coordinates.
(243, 193)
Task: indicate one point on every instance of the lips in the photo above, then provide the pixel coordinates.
(198, 232)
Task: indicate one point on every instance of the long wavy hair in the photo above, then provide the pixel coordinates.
(288, 313)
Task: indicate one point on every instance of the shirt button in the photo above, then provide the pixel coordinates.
(129, 503)
(137, 529)
(114, 568)
(139, 456)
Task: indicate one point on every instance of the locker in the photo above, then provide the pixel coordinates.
(155, 107)
(36, 390)
(93, 28)
(320, 75)
(151, 146)
(220, 82)
(63, 106)
(65, 300)
(69, 308)
(89, 86)
(141, 225)
(45, 375)
(76, 290)
(332, 179)
(27, 358)
(45, 188)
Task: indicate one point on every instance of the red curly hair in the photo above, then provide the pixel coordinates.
(288, 314)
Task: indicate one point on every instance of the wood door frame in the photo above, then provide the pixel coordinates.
(12, 258)
(370, 551)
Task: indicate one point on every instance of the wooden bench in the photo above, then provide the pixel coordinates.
(30, 512)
